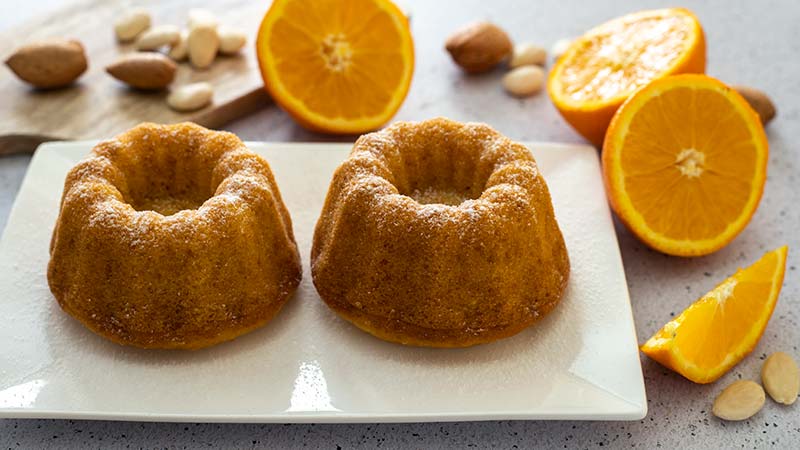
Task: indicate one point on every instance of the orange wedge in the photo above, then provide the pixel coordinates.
(341, 67)
(684, 163)
(602, 68)
(722, 327)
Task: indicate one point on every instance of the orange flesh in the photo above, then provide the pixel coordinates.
(723, 326)
(679, 171)
(685, 162)
(619, 57)
(337, 64)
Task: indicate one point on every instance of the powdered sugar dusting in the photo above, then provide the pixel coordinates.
(375, 158)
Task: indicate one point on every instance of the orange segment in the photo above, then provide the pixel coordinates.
(718, 330)
(336, 66)
(606, 65)
(685, 162)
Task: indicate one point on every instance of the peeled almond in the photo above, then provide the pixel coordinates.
(739, 401)
(203, 43)
(231, 40)
(131, 24)
(560, 47)
(524, 81)
(158, 37)
(528, 55)
(781, 378)
(180, 50)
(190, 97)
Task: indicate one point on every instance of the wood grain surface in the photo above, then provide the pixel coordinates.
(98, 105)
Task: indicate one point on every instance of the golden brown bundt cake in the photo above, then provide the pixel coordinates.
(172, 236)
(439, 234)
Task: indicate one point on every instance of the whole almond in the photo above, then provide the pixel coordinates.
(759, 101)
(739, 401)
(180, 50)
(231, 40)
(528, 55)
(781, 378)
(190, 97)
(158, 37)
(560, 47)
(524, 81)
(145, 70)
(131, 24)
(47, 64)
(478, 47)
(203, 43)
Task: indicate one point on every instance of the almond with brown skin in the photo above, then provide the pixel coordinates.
(479, 47)
(759, 101)
(48, 64)
(145, 70)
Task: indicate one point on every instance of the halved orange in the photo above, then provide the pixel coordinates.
(722, 327)
(684, 163)
(339, 67)
(602, 68)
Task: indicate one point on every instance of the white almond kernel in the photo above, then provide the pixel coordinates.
(131, 24)
(528, 55)
(739, 401)
(524, 81)
(158, 37)
(202, 17)
(190, 97)
(203, 43)
(781, 378)
(180, 50)
(560, 47)
(231, 40)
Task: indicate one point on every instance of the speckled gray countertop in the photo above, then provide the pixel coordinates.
(754, 43)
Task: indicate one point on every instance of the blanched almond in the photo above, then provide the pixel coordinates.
(203, 43)
(190, 97)
(131, 24)
(158, 37)
(739, 401)
(781, 378)
(524, 81)
(527, 55)
(560, 47)
(231, 40)
(180, 50)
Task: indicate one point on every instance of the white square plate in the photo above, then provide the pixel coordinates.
(579, 362)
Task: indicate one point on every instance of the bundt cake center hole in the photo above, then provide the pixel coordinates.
(440, 196)
(167, 205)
(170, 183)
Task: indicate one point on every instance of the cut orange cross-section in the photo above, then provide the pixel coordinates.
(718, 330)
(685, 162)
(602, 68)
(336, 66)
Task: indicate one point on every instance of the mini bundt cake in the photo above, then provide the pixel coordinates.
(439, 234)
(172, 236)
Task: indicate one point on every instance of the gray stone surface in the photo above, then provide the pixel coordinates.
(754, 43)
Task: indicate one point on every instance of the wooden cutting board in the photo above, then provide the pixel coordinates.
(98, 105)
